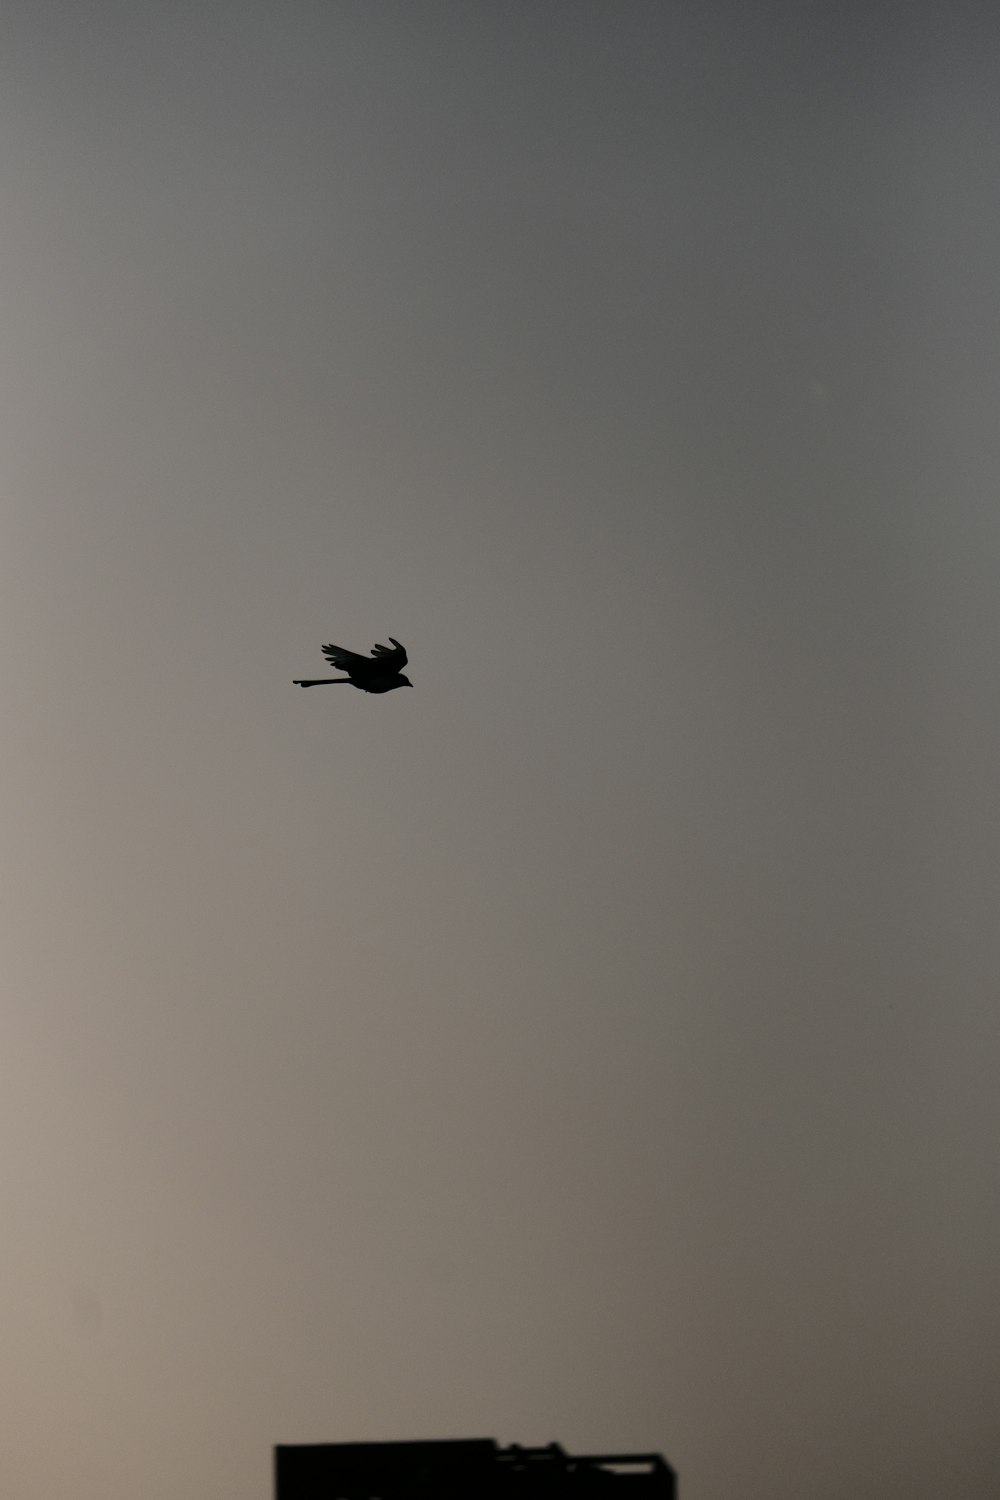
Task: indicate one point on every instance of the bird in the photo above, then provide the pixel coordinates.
(378, 673)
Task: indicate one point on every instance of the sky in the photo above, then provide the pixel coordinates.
(599, 1042)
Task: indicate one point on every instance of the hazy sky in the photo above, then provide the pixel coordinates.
(599, 1042)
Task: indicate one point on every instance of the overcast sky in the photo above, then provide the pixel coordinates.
(599, 1042)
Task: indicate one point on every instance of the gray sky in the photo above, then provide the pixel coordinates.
(599, 1042)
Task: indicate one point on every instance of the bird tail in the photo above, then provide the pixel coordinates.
(317, 681)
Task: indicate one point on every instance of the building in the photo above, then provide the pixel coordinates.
(478, 1469)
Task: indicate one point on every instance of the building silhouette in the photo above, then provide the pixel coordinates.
(477, 1469)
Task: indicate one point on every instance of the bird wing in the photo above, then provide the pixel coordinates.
(345, 661)
(393, 657)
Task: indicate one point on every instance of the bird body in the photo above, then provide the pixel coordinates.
(378, 673)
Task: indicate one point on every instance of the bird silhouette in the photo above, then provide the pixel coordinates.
(378, 673)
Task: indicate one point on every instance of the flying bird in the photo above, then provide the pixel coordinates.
(378, 673)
